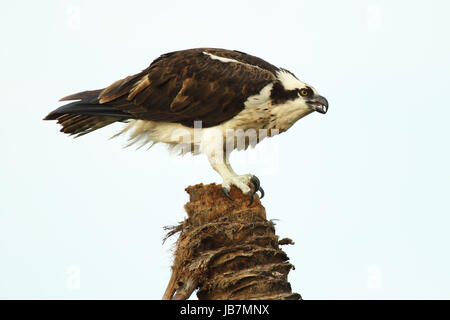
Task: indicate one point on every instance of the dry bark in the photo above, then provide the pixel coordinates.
(228, 250)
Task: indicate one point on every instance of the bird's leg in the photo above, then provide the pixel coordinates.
(247, 183)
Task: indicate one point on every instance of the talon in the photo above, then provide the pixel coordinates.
(256, 183)
(262, 192)
(227, 193)
(257, 186)
(247, 183)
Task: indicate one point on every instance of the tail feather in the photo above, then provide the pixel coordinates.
(75, 123)
(86, 115)
(84, 108)
(79, 125)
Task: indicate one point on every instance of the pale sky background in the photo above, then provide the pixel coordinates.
(362, 190)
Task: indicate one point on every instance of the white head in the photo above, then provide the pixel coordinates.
(293, 99)
(290, 89)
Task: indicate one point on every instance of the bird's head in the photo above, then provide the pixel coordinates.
(292, 92)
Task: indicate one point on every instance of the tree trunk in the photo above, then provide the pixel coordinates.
(228, 250)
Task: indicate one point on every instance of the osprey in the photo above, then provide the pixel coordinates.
(203, 101)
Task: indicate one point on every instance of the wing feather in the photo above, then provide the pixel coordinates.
(188, 85)
(182, 87)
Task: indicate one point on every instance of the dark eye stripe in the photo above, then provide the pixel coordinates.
(306, 92)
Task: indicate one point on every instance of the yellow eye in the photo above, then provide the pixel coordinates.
(304, 92)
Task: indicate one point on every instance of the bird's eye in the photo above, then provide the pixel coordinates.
(304, 92)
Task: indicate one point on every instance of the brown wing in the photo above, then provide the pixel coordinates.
(189, 85)
(182, 87)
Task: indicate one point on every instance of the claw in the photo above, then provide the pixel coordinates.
(262, 192)
(227, 193)
(254, 189)
(251, 199)
(256, 183)
(257, 187)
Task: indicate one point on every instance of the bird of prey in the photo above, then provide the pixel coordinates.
(208, 101)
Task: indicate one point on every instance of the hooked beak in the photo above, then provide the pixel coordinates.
(319, 104)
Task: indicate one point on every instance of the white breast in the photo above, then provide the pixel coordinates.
(259, 119)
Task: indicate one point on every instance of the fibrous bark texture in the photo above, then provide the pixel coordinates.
(228, 250)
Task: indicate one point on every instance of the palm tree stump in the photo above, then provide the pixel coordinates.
(228, 250)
